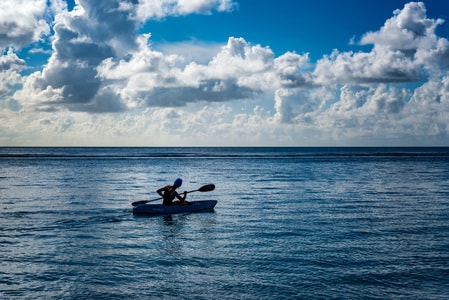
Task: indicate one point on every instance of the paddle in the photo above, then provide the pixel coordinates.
(204, 188)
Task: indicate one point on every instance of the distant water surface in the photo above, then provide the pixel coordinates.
(290, 223)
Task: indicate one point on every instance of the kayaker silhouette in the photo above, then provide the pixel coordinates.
(169, 193)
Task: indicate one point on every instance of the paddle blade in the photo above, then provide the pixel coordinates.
(135, 203)
(207, 188)
(139, 202)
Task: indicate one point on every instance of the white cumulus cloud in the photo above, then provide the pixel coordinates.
(105, 80)
(22, 22)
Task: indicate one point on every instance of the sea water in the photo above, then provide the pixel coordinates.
(290, 223)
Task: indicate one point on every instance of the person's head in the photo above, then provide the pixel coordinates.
(177, 183)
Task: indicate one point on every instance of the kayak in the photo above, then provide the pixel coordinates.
(159, 209)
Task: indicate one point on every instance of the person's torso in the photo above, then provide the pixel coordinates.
(169, 195)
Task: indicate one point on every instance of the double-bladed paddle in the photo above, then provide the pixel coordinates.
(204, 188)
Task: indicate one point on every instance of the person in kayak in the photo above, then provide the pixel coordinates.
(169, 194)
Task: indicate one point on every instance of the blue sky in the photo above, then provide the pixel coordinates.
(316, 27)
(224, 73)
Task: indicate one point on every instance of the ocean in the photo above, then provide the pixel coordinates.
(290, 223)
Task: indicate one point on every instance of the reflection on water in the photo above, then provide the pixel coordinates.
(289, 224)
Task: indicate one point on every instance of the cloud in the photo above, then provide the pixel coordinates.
(100, 64)
(234, 73)
(192, 50)
(150, 9)
(10, 67)
(372, 67)
(405, 45)
(94, 35)
(105, 80)
(360, 93)
(82, 40)
(407, 31)
(22, 22)
(238, 71)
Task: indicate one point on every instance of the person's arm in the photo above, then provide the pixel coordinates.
(159, 191)
(181, 198)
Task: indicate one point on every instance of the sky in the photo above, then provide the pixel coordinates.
(224, 73)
